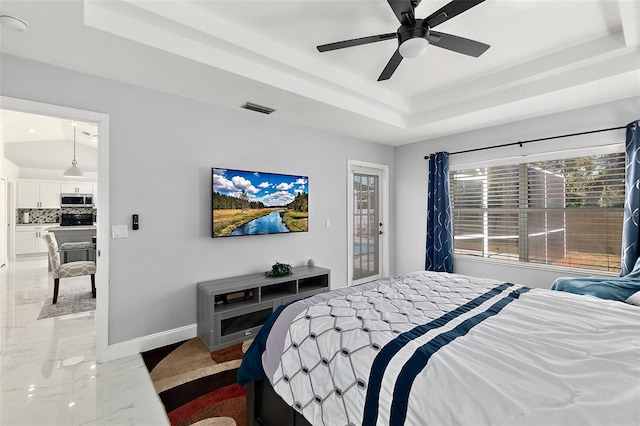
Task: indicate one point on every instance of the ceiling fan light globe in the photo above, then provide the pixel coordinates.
(413, 47)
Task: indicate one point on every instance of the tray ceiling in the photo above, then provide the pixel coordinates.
(545, 57)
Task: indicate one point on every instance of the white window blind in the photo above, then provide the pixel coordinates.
(565, 212)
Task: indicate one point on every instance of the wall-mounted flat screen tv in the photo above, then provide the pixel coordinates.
(254, 203)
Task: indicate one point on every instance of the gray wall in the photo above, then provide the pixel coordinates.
(162, 148)
(411, 177)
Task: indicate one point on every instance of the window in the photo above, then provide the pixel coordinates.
(565, 212)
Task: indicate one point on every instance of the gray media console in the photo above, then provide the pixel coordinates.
(231, 310)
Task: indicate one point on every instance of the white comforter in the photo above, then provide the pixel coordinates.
(437, 349)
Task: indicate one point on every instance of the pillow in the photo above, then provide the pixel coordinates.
(620, 289)
(634, 299)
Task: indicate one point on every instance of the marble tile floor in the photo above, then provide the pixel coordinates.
(48, 369)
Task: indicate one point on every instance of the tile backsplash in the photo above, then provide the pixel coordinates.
(49, 215)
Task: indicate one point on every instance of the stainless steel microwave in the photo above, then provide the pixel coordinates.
(76, 200)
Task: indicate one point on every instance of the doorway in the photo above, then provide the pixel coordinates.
(102, 223)
(368, 219)
(4, 222)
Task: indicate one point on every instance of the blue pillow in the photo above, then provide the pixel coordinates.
(609, 288)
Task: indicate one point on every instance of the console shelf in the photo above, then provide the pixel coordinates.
(231, 310)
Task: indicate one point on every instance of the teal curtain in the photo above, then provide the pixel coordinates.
(439, 255)
(630, 229)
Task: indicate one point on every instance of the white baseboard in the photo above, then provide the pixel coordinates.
(152, 341)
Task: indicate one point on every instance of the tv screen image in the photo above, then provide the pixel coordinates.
(254, 203)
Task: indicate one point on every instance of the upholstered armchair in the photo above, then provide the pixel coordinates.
(67, 270)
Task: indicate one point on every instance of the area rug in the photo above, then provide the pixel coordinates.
(197, 387)
(70, 301)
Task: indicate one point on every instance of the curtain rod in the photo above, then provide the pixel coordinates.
(426, 157)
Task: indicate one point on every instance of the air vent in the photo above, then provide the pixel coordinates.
(258, 108)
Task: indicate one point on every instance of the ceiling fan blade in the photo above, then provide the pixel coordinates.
(403, 9)
(356, 42)
(393, 63)
(448, 11)
(457, 44)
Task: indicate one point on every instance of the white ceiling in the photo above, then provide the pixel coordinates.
(545, 57)
(41, 142)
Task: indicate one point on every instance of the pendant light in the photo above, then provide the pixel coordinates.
(74, 171)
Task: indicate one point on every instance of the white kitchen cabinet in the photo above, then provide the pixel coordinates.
(28, 195)
(29, 239)
(38, 195)
(77, 188)
(26, 242)
(49, 195)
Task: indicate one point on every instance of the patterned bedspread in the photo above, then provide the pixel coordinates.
(431, 348)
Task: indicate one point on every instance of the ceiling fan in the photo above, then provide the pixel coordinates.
(414, 35)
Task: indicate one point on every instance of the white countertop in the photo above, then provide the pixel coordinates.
(72, 228)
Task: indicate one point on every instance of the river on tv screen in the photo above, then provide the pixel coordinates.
(254, 203)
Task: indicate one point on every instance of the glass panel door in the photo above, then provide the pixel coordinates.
(366, 226)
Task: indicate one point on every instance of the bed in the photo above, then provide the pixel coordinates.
(429, 348)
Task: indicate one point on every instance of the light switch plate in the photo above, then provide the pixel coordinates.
(119, 231)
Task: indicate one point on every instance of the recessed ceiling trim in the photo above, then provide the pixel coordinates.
(103, 16)
(576, 60)
(598, 82)
(444, 90)
(580, 96)
(309, 63)
(189, 31)
(630, 19)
